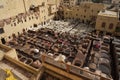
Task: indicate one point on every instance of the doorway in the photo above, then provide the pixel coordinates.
(3, 40)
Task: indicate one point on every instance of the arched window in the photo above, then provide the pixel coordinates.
(111, 26)
(103, 25)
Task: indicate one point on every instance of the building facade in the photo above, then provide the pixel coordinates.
(115, 1)
(107, 21)
(73, 2)
(84, 12)
(17, 16)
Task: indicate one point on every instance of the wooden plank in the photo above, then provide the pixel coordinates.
(25, 66)
(56, 75)
(64, 73)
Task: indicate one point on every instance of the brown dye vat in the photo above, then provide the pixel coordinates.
(36, 64)
(52, 52)
(104, 55)
(104, 44)
(67, 54)
(105, 69)
(13, 42)
(104, 61)
(72, 54)
(66, 51)
(118, 67)
(79, 59)
(71, 48)
(117, 46)
(118, 60)
(70, 59)
(87, 37)
(96, 49)
(42, 50)
(55, 55)
(55, 48)
(31, 54)
(29, 61)
(92, 66)
(96, 60)
(19, 56)
(118, 54)
(21, 39)
(117, 50)
(86, 41)
(97, 55)
(85, 45)
(104, 51)
(23, 59)
(104, 48)
(82, 51)
(78, 63)
(36, 55)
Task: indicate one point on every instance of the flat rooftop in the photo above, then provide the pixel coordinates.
(108, 13)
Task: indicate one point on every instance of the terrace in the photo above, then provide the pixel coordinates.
(116, 55)
(31, 45)
(63, 50)
(100, 58)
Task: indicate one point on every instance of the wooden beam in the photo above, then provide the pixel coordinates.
(63, 73)
(56, 75)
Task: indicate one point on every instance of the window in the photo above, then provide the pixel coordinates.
(43, 3)
(111, 26)
(36, 17)
(76, 14)
(117, 29)
(1, 30)
(9, 37)
(14, 24)
(29, 18)
(25, 20)
(11, 24)
(22, 21)
(32, 17)
(92, 10)
(35, 25)
(103, 25)
(18, 33)
(3, 40)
